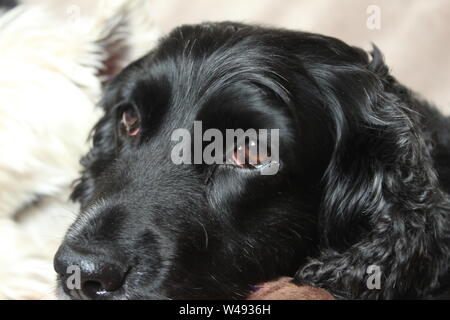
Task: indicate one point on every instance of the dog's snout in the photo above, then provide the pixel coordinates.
(89, 274)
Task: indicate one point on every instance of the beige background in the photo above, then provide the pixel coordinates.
(414, 34)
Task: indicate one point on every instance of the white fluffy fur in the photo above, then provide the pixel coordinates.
(48, 90)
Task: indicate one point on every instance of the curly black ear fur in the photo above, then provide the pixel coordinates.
(382, 202)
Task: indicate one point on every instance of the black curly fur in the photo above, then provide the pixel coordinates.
(383, 203)
(364, 179)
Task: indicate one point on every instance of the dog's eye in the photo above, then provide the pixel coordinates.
(130, 122)
(247, 156)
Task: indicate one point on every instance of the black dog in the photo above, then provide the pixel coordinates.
(364, 175)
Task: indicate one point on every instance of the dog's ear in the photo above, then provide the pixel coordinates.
(380, 167)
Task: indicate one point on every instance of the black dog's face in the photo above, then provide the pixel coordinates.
(150, 228)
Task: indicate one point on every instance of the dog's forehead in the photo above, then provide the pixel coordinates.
(184, 73)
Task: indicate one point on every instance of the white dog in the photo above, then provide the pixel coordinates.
(52, 67)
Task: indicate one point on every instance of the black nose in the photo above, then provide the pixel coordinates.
(89, 274)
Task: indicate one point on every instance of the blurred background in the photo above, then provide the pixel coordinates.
(412, 34)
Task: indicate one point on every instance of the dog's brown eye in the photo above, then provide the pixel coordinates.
(130, 122)
(247, 156)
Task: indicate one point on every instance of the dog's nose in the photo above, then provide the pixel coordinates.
(89, 274)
